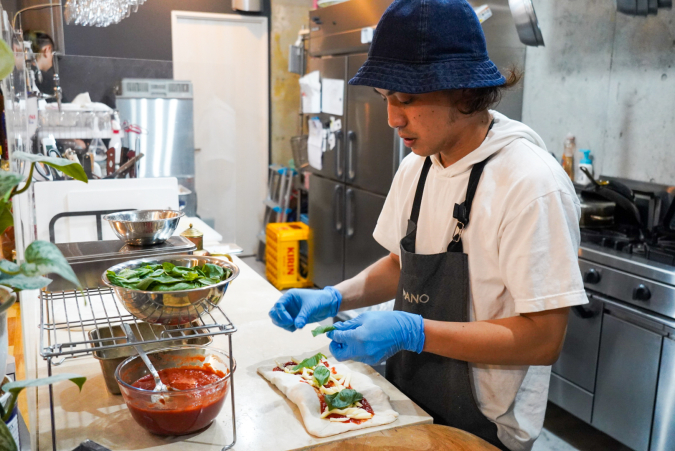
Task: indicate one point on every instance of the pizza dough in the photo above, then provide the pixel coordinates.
(305, 397)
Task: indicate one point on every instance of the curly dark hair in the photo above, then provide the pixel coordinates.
(478, 99)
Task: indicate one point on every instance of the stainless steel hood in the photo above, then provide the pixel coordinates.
(526, 22)
(337, 29)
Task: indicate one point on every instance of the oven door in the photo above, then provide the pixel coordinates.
(573, 375)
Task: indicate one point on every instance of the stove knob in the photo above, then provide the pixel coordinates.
(592, 276)
(641, 293)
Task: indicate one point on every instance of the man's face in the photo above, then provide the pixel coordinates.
(428, 123)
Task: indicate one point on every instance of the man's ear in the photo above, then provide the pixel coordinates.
(47, 50)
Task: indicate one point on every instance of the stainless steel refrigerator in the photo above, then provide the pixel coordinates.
(158, 116)
(347, 194)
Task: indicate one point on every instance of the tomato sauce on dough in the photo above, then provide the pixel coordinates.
(365, 405)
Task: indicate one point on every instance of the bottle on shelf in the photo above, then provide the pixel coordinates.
(569, 149)
(585, 162)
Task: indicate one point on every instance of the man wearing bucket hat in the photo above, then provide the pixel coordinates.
(482, 228)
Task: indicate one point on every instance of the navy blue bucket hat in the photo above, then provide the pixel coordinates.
(428, 45)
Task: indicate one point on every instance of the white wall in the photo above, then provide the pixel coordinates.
(609, 79)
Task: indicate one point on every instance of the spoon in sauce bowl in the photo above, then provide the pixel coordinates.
(131, 338)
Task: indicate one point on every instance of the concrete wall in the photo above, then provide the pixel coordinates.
(288, 17)
(609, 79)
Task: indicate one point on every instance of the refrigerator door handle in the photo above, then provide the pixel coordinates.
(351, 213)
(351, 173)
(339, 169)
(337, 208)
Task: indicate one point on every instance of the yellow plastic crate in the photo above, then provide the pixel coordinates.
(288, 255)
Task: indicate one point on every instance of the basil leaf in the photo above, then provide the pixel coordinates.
(343, 399)
(168, 277)
(309, 362)
(321, 374)
(322, 330)
(213, 271)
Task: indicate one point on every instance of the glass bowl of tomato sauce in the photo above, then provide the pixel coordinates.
(198, 378)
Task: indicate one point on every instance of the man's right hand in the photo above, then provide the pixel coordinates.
(298, 307)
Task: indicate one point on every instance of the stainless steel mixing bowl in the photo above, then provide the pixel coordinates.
(143, 227)
(172, 307)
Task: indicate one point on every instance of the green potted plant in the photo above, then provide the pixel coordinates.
(41, 258)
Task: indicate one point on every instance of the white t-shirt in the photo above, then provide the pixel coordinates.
(522, 242)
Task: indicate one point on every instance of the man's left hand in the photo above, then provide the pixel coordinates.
(375, 336)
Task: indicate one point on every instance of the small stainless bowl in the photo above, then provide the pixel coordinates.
(143, 227)
(172, 307)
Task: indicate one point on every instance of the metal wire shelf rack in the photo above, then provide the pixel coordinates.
(67, 316)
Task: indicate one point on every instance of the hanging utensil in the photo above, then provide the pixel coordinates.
(527, 24)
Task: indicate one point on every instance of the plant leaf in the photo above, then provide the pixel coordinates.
(342, 399)
(6, 440)
(43, 257)
(321, 374)
(6, 265)
(8, 180)
(68, 167)
(6, 217)
(22, 282)
(17, 386)
(309, 362)
(6, 60)
(322, 330)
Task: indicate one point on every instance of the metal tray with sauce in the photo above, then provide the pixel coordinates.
(111, 358)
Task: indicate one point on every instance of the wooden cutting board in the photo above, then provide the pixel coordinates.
(421, 437)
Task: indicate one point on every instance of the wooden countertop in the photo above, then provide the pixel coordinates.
(265, 418)
(421, 437)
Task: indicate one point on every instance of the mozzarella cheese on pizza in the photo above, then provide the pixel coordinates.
(331, 398)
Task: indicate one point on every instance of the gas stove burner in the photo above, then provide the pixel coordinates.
(612, 239)
(666, 242)
(660, 249)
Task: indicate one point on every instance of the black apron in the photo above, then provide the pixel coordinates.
(437, 287)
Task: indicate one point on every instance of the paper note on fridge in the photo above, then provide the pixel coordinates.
(315, 143)
(332, 94)
(310, 90)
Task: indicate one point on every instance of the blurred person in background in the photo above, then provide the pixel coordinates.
(43, 48)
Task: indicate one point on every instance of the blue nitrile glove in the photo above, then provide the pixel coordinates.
(298, 307)
(374, 336)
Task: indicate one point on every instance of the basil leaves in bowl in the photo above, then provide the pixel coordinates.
(171, 290)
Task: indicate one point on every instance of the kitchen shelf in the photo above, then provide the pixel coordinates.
(67, 316)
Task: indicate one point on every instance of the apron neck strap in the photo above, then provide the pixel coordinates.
(462, 212)
(417, 203)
